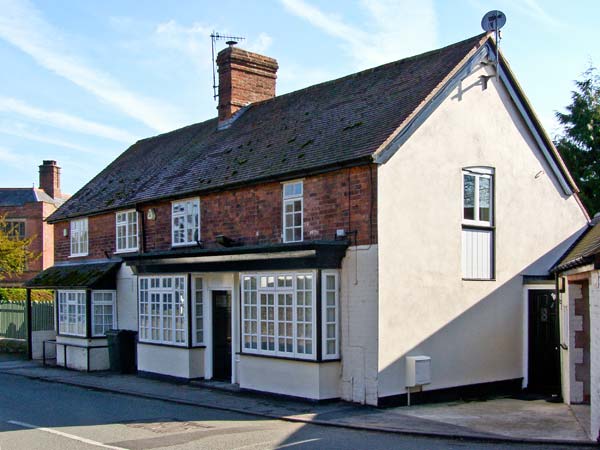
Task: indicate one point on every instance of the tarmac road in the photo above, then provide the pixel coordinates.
(41, 415)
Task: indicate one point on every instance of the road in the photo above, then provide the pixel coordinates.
(41, 415)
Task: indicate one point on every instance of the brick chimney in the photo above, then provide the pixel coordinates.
(50, 178)
(244, 78)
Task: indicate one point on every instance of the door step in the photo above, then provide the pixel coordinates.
(219, 385)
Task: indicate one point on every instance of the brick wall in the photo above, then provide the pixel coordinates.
(252, 215)
(33, 213)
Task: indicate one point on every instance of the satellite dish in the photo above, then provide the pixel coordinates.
(493, 21)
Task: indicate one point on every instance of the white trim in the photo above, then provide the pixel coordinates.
(114, 309)
(126, 223)
(196, 202)
(195, 341)
(292, 198)
(324, 322)
(72, 222)
(478, 173)
(77, 292)
(526, 289)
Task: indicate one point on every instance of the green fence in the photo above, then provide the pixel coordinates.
(12, 318)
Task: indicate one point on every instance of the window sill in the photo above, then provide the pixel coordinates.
(126, 250)
(286, 358)
(164, 344)
(78, 255)
(187, 244)
(473, 226)
(479, 279)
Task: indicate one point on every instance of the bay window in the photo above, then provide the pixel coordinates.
(72, 313)
(478, 223)
(280, 315)
(162, 310)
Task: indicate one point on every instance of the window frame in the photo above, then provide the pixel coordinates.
(113, 304)
(324, 307)
(194, 201)
(126, 223)
(194, 316)
(82, 236)
(78, 313)
(476, 225)
(478, 173)
(162, 291)
(276, 290)
(292, 198)
(10, 228)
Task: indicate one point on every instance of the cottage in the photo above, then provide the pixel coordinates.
(369, 238)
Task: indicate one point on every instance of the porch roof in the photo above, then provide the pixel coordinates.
(96, 275)
(585, 251)
(281, 256)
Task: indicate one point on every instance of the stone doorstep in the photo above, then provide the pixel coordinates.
(355, 417)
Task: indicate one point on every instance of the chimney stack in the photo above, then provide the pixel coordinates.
(50, 178)
(244, 78)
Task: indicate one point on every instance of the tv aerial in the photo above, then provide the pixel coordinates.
(493, 21)
(231, 41)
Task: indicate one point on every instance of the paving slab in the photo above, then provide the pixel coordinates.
(506, 420)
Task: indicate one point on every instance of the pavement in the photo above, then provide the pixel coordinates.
(496, 420)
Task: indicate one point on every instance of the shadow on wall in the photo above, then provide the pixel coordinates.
(485, 343)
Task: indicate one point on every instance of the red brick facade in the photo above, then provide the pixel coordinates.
(33, 214)
(344, 199)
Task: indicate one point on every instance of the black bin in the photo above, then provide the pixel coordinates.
(122, 350)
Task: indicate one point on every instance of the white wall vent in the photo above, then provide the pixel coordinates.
(418, 370)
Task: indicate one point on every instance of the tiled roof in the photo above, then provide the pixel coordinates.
(338, 122)
(20, 196)
(584, 249)
(90, 275)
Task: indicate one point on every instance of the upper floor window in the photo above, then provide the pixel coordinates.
(79, 237)
(14, 229)
(127, 231)
(293, 212)
(477, 196)
(477, 224)
(186, 221)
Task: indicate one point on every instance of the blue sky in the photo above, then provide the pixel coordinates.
(82, 80)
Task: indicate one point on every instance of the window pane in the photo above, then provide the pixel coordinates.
(484, 198)
(469, 197)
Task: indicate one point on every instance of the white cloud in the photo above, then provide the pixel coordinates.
(24, 131)
(15, 159)
(193, 41)
(65, 121)
(391, 29)
(23, 26)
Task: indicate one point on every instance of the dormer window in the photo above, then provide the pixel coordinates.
(186, 222)
(79, 237)
(293, 214)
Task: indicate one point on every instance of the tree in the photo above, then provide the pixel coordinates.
(14, 252)
(579, 143)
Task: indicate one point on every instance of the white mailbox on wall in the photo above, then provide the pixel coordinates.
(418, 370)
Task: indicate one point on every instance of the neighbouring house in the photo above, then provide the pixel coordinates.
(579, 310)
(26, 210)
(370, 238)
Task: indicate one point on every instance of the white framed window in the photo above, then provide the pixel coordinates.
(185, 225)
(71, 313)
(127, 230)
(79, 237)
(103, 312)
(477, 223)
(278, 314)
(478, 196)
(293, 212)
(198, 313)
(330, 309)
(162, 310)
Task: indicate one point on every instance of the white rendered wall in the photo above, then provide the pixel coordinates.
(317, 381)
(171, 361)
(126, 299)
(358, 307)
(77, 356)
(565, 359)
(37, 342)
(472, 330)
(595, 354)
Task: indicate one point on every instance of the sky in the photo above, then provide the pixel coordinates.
(80, 81)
